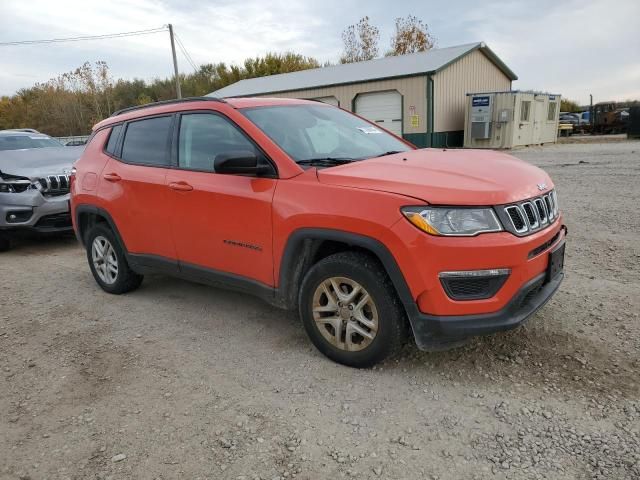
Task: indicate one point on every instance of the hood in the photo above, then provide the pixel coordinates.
(39, 162)
(449, 177)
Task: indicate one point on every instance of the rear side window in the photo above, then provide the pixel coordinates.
(113, 140)
(146, 141)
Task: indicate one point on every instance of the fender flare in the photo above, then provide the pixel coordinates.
(299, 246)
(92, 209)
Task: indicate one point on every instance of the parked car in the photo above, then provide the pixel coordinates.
(585, 118)
(25, 138)
(75, 143)
(26, 130)
(34, 184)
(570, 118)
(316, 209)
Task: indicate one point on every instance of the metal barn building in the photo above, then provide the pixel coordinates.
(421, 96)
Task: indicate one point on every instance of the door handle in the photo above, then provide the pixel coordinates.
(112, 177)
(180, 186)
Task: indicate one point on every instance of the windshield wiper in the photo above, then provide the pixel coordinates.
(390, 152)
(326, 161)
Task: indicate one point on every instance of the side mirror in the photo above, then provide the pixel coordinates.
(240, 163)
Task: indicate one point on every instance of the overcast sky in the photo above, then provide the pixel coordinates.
(571, 47)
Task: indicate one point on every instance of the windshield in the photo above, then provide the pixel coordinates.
(20, 142)
(308, 132)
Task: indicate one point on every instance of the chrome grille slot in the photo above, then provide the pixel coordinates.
(547, 204)
(529, 209)
(542, 211)
(517, 218)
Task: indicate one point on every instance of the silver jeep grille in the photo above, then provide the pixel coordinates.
(532, 215)
(54, 184)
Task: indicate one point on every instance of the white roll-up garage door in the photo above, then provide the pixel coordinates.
(330, 100)
(384, 108)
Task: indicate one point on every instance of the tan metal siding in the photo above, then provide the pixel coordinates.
(473, 73)
(412, 89)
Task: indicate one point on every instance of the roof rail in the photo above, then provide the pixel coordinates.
(167, 102)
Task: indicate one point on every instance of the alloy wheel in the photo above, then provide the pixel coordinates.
(105, 260)
(345, 314)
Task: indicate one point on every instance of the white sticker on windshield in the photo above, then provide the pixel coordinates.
(369, 130)
(37, 137)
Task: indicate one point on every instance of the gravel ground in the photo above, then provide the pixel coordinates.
(179, 380)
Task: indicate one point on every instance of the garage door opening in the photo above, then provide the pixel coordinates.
(383, 108)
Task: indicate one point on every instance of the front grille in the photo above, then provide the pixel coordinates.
(538, 250)
(531, 215)
(54, 184)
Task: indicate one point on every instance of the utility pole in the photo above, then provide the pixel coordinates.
(175, 62)
(592, 120)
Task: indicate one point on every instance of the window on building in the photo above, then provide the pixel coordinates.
(551, 113)
(525, 111)
(204, 136)
(146, 141)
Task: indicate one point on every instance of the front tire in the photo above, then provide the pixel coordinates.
(350, 310)
(5, 242)
(108, 263)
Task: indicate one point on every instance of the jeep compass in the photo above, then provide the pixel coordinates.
(313, 208)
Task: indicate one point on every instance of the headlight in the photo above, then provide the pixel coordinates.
(451, 221)
(6, 188)
(14, 186)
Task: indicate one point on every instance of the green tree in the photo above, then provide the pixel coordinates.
(570, 106)
(73, 102)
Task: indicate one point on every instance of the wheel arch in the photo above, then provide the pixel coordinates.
(89, 215)
(306, 246)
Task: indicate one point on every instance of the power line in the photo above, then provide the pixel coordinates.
(86, 37)
(186, 54)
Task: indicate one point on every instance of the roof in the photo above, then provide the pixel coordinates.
(189, 103)
(431, 61)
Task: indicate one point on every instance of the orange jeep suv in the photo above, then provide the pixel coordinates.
(313, 208)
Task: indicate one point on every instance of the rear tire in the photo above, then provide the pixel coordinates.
(351, 311)
(108, 263)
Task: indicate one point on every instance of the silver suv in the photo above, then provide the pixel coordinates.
(34, 183)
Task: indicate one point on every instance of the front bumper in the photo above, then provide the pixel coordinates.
(41, 214)
(437, 320)
(432, 331)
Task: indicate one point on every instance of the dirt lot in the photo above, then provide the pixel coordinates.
(179, 380)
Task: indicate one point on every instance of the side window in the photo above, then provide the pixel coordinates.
(146, 141)
(525, 109)
(113, 140)
(203, 136)
(551, 113)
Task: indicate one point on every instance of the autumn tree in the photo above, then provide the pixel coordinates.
(360, 42)
(73, 102)
(412, 35)
(570, 106)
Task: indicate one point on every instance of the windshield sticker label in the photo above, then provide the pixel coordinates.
(369, 130)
